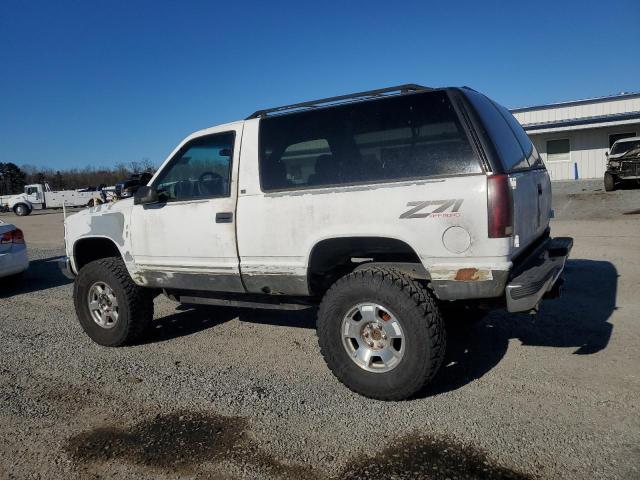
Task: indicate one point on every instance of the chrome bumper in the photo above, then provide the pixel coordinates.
(64, 264)
(537, 274)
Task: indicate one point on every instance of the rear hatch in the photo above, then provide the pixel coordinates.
(531, 193)
(521, 166)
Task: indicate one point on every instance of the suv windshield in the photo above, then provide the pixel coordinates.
(622, 147)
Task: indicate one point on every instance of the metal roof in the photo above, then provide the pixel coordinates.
(571, 122)
(628, 139)
(619, 96)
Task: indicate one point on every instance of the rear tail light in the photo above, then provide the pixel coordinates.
(499, 206)
(14, 236)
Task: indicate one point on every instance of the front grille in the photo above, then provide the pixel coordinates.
(630, 168)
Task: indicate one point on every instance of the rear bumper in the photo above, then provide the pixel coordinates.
(64, 264)
(519, 288)
(537, 274)
(14, 261)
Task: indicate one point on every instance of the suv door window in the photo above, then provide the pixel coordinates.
(201, 169)
(502, 136)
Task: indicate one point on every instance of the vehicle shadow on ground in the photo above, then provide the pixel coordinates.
(41, 275)
(190, 319)
(578, 319)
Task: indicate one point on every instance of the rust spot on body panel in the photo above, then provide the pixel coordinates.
(467, 274)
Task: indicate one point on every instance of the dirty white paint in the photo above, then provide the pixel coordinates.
(273, 234)
(110, 221)
(183, 236)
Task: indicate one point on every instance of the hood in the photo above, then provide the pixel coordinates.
(628, 155)
(7, 199)
(121, 206)
(633, 154)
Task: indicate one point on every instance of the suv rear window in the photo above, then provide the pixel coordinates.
(512, 143)
(404, 137)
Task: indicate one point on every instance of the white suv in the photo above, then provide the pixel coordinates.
(385, 208)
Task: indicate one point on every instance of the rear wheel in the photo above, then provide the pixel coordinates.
(381, 333)
(21, 210)
(111, 309)
(609, 182)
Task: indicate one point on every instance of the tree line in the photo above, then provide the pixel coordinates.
(13, 178)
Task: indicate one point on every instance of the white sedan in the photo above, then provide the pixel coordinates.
(13, 250)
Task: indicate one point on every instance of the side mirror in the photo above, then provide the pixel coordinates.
(606, 154)
(145, 195)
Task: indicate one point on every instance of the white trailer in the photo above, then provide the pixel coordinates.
(40, 196)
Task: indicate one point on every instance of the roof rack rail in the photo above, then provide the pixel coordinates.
(406, 88)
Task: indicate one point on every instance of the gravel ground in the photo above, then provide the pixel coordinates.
(243, 394)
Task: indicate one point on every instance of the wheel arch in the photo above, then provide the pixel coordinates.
(331, 258)
(88, 249)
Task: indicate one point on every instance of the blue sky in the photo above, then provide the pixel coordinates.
(96, 82)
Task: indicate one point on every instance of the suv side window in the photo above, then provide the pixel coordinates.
(502, 136)
(530, 151)
(401, 137)
(200, 169)
(304, 161)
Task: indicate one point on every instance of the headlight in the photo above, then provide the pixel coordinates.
(614, 164)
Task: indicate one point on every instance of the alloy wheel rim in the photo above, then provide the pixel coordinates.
(103, 305)
(373, 337)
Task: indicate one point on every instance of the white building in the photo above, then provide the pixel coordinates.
(573, 137)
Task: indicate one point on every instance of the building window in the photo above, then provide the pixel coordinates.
(617, 136)
(558, 150)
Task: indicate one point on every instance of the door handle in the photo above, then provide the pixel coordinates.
(224, 217)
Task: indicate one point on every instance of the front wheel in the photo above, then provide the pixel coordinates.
(111, 308)
(21, 210)
(609, 182)
(381, 333)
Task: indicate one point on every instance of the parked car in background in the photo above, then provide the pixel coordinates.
(13, 251)
(127, 188)
(623, 163)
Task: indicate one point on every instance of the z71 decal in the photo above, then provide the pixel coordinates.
(418, 210)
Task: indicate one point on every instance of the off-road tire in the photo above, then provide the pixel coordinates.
(21, 210)
(609, 182)
(422, 324)
(135, 303)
